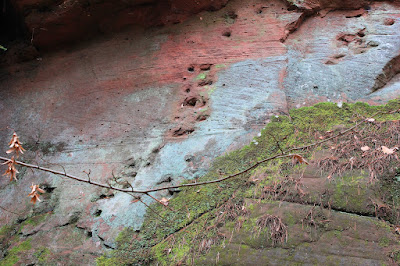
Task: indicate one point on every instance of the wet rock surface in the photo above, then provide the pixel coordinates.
(156, 106)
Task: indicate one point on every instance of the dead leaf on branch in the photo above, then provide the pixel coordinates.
(34, 193)
(164, 201)
(388, 151)
(11, 170)
(15, 145)
(300, 159)
(365, 148)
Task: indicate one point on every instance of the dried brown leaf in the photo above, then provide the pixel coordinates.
(11, 170)
(299, 159)
(386, 150)
(365, 148)
(164, 201)
(15, 145)
(35, 193)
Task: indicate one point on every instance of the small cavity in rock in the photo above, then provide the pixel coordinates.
(227, 34)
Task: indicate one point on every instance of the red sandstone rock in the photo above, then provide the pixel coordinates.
(389, 21)
(54, 23)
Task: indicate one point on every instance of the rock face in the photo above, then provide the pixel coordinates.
(155, 106)
(53, 23)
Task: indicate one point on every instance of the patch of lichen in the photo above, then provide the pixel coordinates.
(172, 238)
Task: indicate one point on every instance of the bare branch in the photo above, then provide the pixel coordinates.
(147, 191)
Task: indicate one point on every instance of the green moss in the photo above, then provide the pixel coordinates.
(42, 254)
(9, 260)
(178, 235)
(251, 207)
(289, 219)
(220, 66)
(34, 220)
(211, 90)
(349, 195)
(333, 234)
(5, 229)
(201, 76)
(384, 242)
(105, 261)
(12, 256)
(396, 256)
(383, 225)
(332, 260)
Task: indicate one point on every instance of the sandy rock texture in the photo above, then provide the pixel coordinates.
(155, 105)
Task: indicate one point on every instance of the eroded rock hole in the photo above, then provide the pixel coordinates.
(388, 21)
(104, 196)
(182, 131)
(205, 82)
(187, 88)
(191, 69)
(47, 188)
(165, 179)
(227, 34)
(191, 101)
(205, 67)
(361, 33)
(232, 14)
(97, 213)
(202, 117)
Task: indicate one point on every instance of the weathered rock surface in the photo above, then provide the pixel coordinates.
(160, 104)
(54, 23)
(343, 240)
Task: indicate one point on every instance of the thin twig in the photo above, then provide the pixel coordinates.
(152, 189)
(147, 205)
(131, 190)
(159, 201)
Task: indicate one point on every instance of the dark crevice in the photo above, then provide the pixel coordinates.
(107, 246)
(165, 179)
(11, 25)
(47, 188)
(227, 34)
(104, 243)
(97, 213)
(389, 71)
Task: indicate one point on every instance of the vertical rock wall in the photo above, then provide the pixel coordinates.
(156, 106)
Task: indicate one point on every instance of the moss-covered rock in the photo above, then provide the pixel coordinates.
(216, 222)
(13, 255)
